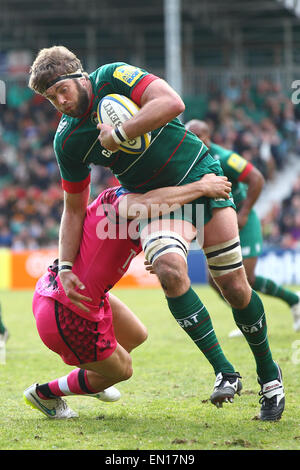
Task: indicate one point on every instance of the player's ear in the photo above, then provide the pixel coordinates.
(84, 81)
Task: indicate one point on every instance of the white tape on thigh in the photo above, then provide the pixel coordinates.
(224, 258)
(159, 243)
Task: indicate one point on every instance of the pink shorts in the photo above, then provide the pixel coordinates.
(75, 339)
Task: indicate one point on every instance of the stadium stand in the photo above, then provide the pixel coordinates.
(238, 67)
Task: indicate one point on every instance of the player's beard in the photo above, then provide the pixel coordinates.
(83, 101)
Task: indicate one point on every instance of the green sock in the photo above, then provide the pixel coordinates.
(192, 316)
(269, 287)
(2, 327)
(252, 323)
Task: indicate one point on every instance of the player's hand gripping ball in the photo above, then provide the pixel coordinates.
(114, 110)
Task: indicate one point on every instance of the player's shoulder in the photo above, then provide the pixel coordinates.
(120, 71)
(230, 161)
(105, 72)
(219, 151)
(111, 195)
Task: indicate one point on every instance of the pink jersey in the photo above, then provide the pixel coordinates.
(105, 253)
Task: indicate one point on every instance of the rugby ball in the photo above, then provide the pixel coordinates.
(114, 110)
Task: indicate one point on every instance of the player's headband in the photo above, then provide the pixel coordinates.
(77, 74)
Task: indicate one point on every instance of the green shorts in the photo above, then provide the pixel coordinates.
(199, 211)
(251, 237)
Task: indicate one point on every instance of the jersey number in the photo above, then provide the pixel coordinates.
(106, 153)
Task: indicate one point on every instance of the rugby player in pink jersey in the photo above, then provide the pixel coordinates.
(98, 332)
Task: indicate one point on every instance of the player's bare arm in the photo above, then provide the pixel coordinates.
(159, 105)
(255, 182)
(161, 201)
(72, 219)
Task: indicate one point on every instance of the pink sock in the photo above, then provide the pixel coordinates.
(75, 383)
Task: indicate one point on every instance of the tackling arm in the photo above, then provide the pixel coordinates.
(161, 201)
(71, 224)
(69, 240)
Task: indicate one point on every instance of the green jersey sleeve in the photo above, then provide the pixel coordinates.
(233, 165)
(75, 174)
(123, 79)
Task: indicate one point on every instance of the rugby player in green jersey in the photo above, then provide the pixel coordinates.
(247, 183)
(174, 157)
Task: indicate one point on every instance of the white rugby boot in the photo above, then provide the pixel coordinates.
(272, 398)
(110, 394)
(54, 408)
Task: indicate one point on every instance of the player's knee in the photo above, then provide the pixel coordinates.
(251, 279)
(226, 266)
(236, 291)
(127, 370)
(121, 365)
(167, 252)
(143, 335)
(139, 338)
(171, 273)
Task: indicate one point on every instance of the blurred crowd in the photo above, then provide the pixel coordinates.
(281, 225)
(31, 198)
(257, 121)
(261, 123)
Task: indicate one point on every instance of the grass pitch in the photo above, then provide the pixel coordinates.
(165, 405)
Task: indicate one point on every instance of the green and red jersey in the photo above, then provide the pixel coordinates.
(169, 159)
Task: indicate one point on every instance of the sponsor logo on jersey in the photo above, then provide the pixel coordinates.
(236, 162)
(128, 74)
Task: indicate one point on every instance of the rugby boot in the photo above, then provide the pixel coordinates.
(272, 399)
(110, 394)
(54, 408)
(226, 386)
